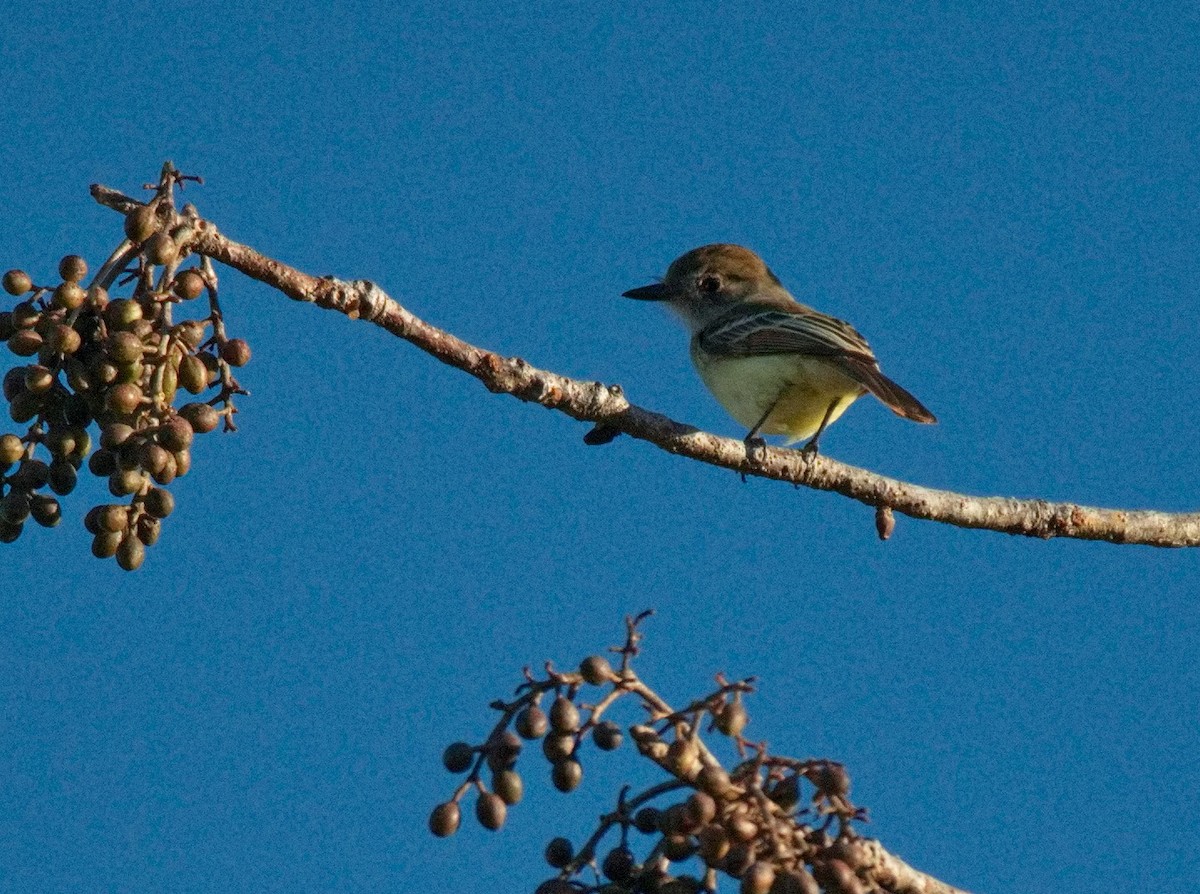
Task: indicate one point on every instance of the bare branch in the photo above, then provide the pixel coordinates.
(893, 874)
(607, 407)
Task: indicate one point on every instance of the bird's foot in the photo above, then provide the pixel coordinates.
(755, 451)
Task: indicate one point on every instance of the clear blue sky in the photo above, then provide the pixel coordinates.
(1005, 200)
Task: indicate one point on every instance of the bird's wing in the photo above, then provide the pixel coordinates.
(781, 332)
(806, 331)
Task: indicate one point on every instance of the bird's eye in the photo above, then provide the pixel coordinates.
(709, 283)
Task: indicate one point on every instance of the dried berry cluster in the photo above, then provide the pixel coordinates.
(120, 364)
(752, 823)
(562, 732)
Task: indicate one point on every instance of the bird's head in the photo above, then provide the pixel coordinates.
(706, 281)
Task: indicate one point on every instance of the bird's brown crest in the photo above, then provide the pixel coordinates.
(732, 261)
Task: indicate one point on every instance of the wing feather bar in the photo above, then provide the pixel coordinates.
(778, 332)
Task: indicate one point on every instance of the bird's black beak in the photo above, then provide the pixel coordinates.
(653, 292)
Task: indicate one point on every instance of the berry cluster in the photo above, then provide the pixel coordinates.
(120, 364)
(752, 823)
(562, 733)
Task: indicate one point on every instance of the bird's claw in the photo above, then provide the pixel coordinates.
(755, 449)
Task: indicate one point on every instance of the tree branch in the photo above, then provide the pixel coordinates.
(607, 407)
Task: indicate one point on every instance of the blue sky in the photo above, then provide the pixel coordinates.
(1004, 200)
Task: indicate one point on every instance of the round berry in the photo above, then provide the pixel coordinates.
(491, 811)
(457, 757)
(17, 282)
(559, 852)
(445, 819)
(140, 223)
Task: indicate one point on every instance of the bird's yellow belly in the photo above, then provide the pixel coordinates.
(800, 388)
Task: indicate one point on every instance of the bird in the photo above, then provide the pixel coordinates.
(777, 366)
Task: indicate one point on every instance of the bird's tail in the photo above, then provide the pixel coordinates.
(889, 393)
